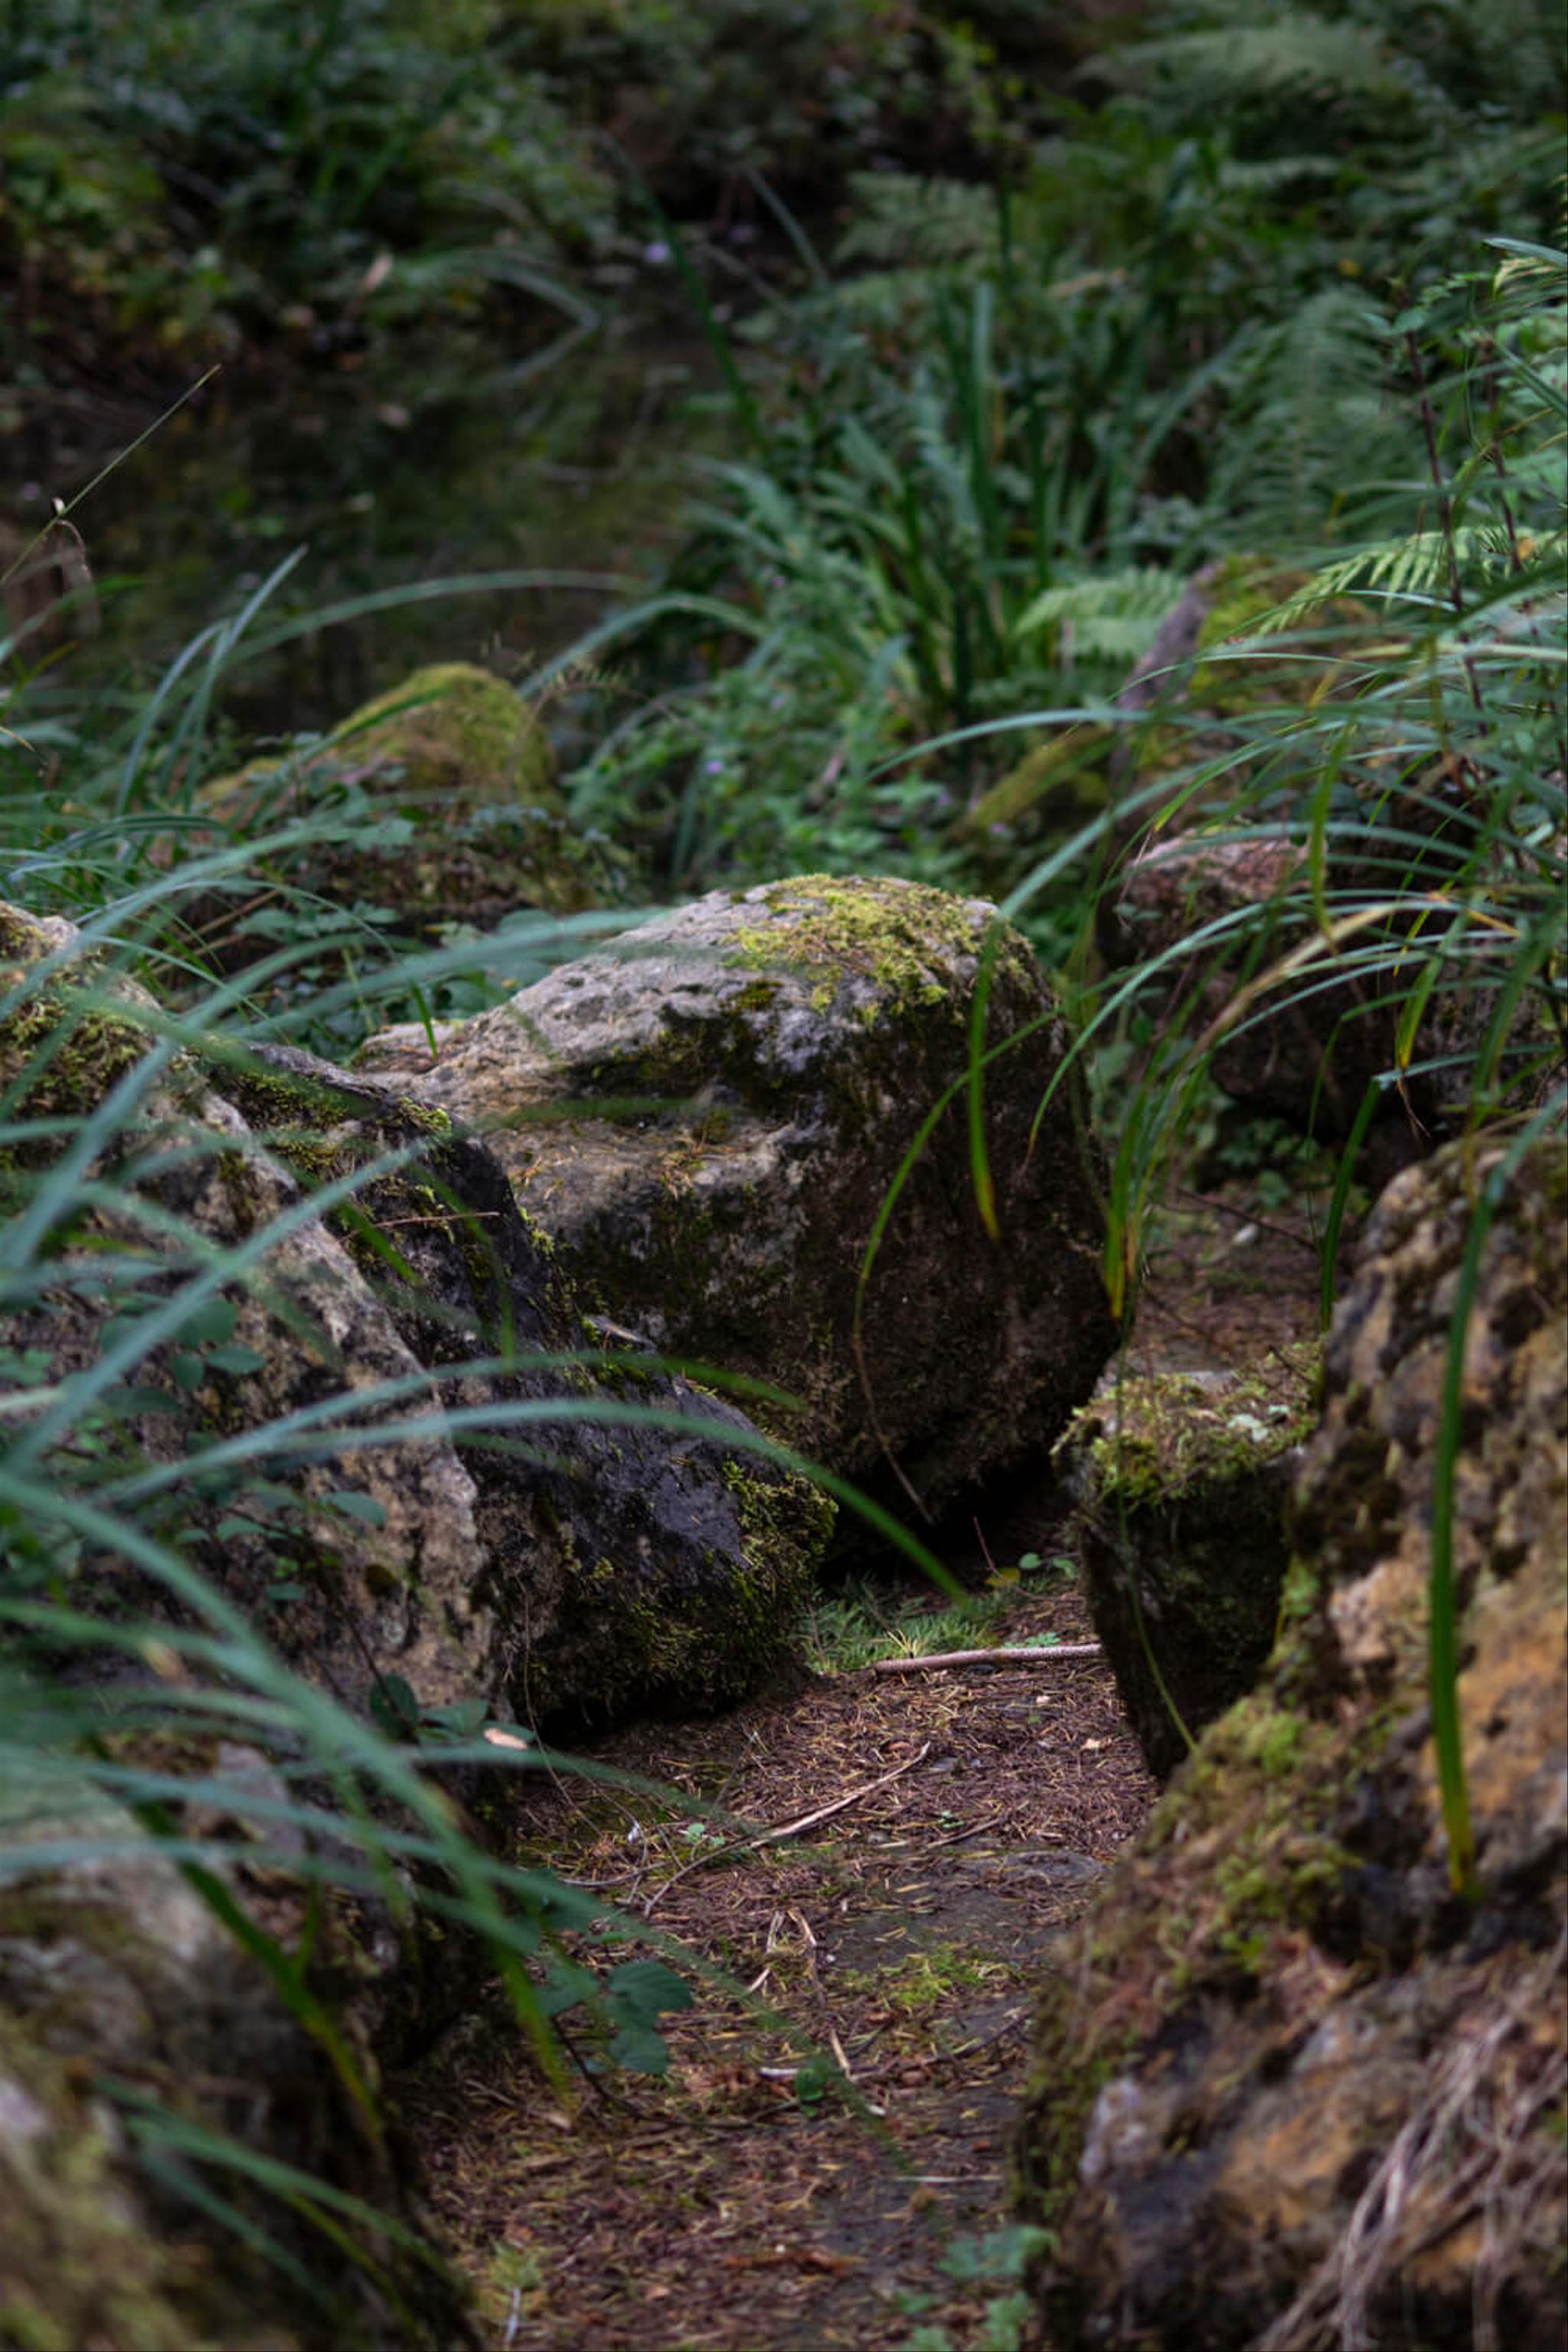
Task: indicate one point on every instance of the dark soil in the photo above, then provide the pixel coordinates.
(747, 2201)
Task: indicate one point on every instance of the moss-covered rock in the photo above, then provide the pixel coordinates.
(70, 1030)
(1217, 888)
(130, 2020)
(1181, 1481)
(711, 1116)
(1307, 1058)
(587, 1565)
(1289, 2090)
(437, 801)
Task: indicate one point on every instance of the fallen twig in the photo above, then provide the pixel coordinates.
(786, 1829)
(870, 1788)
(983, 1658)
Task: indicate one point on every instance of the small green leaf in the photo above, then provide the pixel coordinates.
(457, 1721)
(1000, 2254)
(814, 2080)
(395, 1706)
(640, 2051)
(641, 1990)
(567, 1985)
(213, 1319)
(123, 1403)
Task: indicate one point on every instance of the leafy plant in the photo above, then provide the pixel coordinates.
(315, 169)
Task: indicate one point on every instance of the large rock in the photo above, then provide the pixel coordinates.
(137, 2042)
(437, 802)
(1228, 856)
(188, 2065)
(1181, 1481)
(1290, 2091)
(709, 1116)
(585, 1566)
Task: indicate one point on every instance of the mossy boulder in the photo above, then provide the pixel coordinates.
(1216, 889)
(586, 1565)
(436, 801)
(1304, 1056)
(1181, 1481)
(1289, 2090)
(132, 2026)
(1305, 1051)
(718, 1115)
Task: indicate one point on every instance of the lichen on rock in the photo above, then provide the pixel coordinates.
(449, 1552)
(709, 1115)
(129, 2017)
(1289, 2084)
(1180, 1482)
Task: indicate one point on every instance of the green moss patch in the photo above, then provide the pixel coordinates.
(901, 936)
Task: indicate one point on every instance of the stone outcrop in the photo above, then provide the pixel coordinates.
(367, 1429)
(1181, 1481)
(515, 1534)
(1305, 1055)
(710, 1116)
(1291, 2090)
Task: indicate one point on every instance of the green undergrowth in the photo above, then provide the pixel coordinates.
(862, 1619)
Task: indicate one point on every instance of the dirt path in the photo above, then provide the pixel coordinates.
(740, 2203)
(737, 2203)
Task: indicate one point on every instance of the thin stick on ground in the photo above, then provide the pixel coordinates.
(822, 1813)
(787, 1829)
(934, 1658)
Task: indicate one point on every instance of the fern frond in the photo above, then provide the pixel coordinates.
(946, 222)
(1291, 54)
(1311, 429)
(1114, 614)
(1416, 568)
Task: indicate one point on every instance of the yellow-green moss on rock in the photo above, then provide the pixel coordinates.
(1277, 2002)
(438, 799)
(831, 928)
(1180, 1482)
(451, 734)
(710, 1114)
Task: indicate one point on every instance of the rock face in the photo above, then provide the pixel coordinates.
(1303, 1058)
(1180, 1482)
(486, 1547)
(1291, 2092)
(709, 1116)
(1304, 1053)
(129, 2018)
(437, 801)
